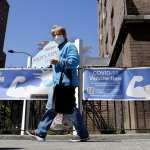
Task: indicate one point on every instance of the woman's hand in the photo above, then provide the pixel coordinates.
(54, 61)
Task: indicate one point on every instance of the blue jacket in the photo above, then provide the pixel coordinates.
(69, 58)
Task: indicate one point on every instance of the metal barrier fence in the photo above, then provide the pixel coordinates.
(117, 116)
(100, 116)
(11, 115)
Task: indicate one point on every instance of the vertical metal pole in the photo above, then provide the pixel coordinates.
(23, 118)
(77, 44)
(26, 105)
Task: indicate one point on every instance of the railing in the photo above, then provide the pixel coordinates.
(11, 115)
(100, 117)
(117, 116)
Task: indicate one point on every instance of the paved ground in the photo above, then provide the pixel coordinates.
(101, 142)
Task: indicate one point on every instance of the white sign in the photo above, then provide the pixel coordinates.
(42, 59)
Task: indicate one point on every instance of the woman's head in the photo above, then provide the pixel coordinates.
(58, 30)
(59, 34)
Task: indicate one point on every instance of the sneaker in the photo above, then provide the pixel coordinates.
(35, 136)
(78, 139)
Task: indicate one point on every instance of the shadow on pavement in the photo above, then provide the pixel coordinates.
(84, 142)
(9, 148)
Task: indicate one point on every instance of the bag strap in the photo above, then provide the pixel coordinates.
(62, 75)
(62, 72)
(69, 71)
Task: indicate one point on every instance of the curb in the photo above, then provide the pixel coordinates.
(92, 136)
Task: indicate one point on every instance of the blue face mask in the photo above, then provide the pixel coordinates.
(59, 39)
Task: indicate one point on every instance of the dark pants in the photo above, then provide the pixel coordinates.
(65, 103)
(75, 117)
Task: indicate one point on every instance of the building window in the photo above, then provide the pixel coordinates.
(101, 37)
(106, 45)
(105, 3)
(105, 12)
(112, 26)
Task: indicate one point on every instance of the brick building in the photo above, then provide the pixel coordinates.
(124, 35)
(4, 7)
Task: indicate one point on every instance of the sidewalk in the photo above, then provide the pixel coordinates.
(97, 142)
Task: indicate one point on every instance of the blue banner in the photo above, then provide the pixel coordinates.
(116, 83)
(20, 84)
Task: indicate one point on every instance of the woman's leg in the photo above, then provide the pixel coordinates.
(78, 123)
(45, 123)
